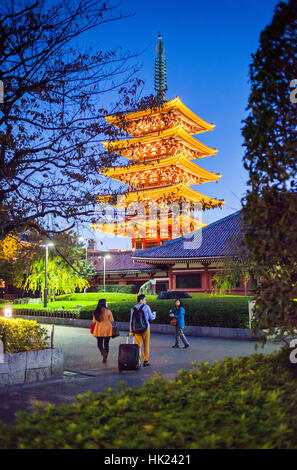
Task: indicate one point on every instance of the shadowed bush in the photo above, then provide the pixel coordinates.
(242, 403)
(205, 311)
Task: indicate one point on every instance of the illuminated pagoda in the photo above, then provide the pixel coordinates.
(160, 169)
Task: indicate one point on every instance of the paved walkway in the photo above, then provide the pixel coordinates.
(84, 370)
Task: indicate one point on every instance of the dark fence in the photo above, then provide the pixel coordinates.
(54, 313)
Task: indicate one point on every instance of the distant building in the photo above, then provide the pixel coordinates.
(173, 266)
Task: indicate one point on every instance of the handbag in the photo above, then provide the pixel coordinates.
(92, 327)
(115, 331)
(173, 322)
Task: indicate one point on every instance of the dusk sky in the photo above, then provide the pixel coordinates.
(208, 52)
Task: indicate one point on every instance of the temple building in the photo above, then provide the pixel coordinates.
(175, 267)
(160, 171)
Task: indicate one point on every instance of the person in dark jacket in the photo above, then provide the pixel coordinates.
(179, 313)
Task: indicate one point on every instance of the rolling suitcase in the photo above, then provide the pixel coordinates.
(128, 356)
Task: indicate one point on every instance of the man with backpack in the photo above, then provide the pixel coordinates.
(141, 315)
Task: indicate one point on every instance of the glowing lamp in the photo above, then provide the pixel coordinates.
(8, 311)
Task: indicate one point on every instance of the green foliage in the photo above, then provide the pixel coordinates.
(20, 335)
(68, 269)
(229, 277)
(228, 311)
(60, 276)
(147, 288)
(128, 289)
(201, 311)
(271, 204)
(28, 300)
(223, 281)
(242, 403)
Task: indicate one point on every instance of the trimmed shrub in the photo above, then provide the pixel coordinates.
(243, 403)
(201, 310)
(128, 289)
(20, 335)
(219, 312)
(28, 300)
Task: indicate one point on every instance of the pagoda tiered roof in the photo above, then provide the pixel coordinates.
(152, 119)
(127, 227)
(160, 172)
(168, 170)
(171, 193)
(163, 143)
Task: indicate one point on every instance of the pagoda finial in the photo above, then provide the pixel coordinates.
(160, 70)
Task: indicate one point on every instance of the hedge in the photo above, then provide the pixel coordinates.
(199, 312)
(18, 335)
(128, 289)
(243, 403)
(28, 301)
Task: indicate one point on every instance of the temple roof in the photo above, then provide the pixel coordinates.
(175, 106)
(176, 132)
(219, 239)
(178, 160)
(120, 262)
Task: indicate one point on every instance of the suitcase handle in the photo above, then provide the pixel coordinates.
(127, 340)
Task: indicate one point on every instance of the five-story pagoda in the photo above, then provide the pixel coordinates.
(160, 169)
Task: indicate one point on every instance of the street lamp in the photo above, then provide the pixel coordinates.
(85, 247)
(46, 245)
(104, 260)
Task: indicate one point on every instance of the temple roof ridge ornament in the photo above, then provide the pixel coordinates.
(160, 70)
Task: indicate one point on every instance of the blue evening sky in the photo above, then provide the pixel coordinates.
(208, 52)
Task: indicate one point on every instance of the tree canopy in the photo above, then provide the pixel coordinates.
(270, 206)
(68, 268)
(52, 118)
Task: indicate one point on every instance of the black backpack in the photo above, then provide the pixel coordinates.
(138, 324)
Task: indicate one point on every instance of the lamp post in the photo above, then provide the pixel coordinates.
(85, 247)
(104, 260)
(81, 240)
(45, 282)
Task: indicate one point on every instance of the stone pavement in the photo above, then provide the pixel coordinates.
(85, 372)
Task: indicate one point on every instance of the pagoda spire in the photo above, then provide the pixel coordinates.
(160, 71)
